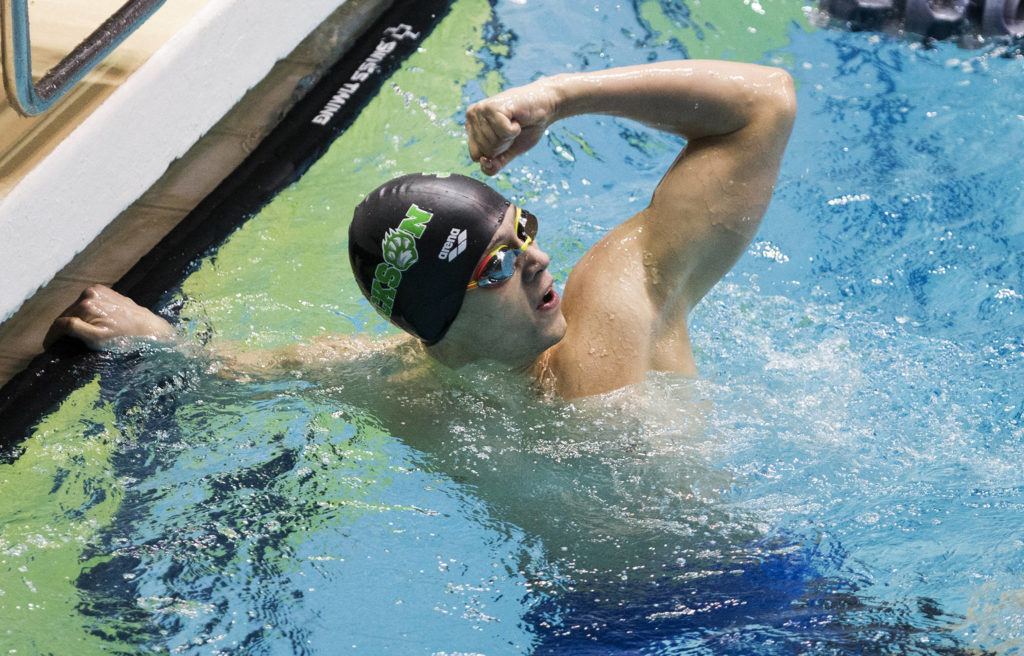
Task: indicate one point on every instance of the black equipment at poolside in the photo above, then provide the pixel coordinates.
(932, 19)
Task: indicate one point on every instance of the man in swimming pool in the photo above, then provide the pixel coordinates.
(453, 263)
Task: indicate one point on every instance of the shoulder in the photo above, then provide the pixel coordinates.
(614, 322)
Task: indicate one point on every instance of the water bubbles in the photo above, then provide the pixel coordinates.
(869, 518)
(767, 250)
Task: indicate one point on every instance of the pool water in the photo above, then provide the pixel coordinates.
(842, 478)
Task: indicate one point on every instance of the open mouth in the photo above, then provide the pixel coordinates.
(549, 300)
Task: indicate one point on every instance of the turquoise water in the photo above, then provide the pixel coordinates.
(842, 478)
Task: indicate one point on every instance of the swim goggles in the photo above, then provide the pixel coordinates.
(500, 264)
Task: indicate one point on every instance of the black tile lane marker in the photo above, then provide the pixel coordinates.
(301, 138)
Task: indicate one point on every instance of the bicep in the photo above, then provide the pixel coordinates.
(708, 207)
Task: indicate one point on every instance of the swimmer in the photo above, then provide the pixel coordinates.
(461, 269)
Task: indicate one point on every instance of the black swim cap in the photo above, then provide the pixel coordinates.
(414, 243)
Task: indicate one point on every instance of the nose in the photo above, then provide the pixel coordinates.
(536, 262)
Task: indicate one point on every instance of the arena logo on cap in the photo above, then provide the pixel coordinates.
(454, 245)
(399, 250)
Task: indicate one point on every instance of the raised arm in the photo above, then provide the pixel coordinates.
(736, 119)
(692, 98)
(651, 269)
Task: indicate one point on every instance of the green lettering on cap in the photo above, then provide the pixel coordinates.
(388, 275)
(399, 251)
(383, 297)
(415, 221)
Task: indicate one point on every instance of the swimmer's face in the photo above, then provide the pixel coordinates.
(514, 321)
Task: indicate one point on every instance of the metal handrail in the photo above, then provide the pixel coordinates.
(31, 98)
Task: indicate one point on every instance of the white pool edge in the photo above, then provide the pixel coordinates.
(123, 147)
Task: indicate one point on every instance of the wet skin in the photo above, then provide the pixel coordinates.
(625, 306)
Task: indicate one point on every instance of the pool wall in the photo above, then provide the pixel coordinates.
(158, 145)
